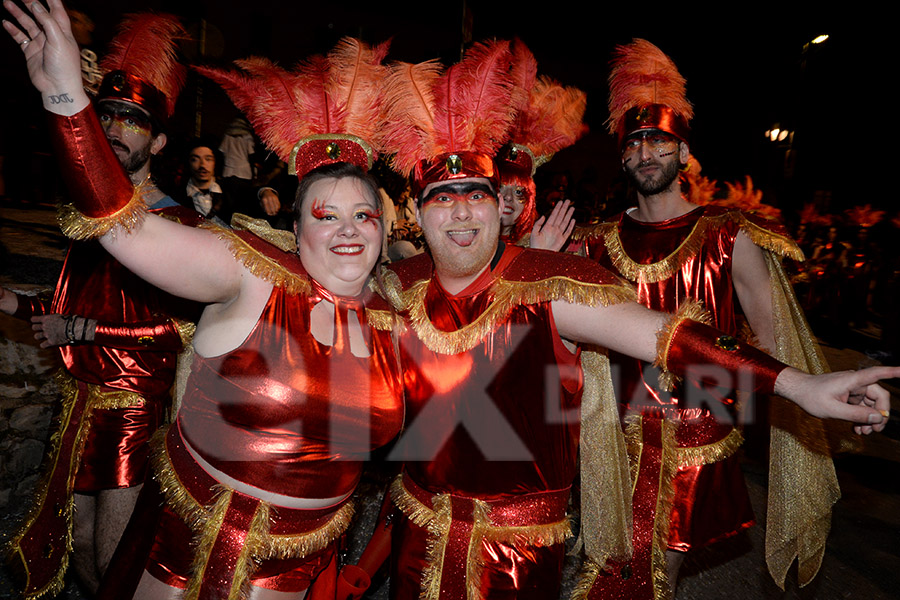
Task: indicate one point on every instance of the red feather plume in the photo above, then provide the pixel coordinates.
(467, 108)
(338, 93)
(146, 46)
(553, 118)
(642, 74)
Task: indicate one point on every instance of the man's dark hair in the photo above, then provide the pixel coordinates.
(206, 142)
(335, 171)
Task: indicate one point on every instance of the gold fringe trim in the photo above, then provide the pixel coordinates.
(437, 522)
(696, 456)
(259, 264)
(659, 566)
(668, 266)
(692, 310)
(77, 226)
(260, 544)
(435, 549)
(590, 571)
(281, 239)
(204, 540)
(663, 269)
(634, 445)
(383, 320)
(777, 244)
(68, 390)
(581, 233)
(507, 296)
(186, 330)
(475, 559)
(106, 400)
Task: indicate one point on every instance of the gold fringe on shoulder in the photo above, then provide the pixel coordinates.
(507, 296)
(710, 453)
(777, 244)
(281, 239)
(77, 226)
(581, 233)
(692, 310)
(259, 264)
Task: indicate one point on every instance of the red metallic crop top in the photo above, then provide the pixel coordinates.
(290, 415)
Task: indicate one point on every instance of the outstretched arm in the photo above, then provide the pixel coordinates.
(632, 329)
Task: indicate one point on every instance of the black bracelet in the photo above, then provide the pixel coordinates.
(70, 328)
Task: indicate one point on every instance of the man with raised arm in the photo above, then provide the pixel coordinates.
(118, 336)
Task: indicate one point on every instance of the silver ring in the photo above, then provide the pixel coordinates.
(24, 43)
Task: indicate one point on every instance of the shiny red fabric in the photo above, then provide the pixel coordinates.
(172, 554)
(513, 571)
(96, 181)
(454, 165)
(289, 415)
(697, 345)
(152, 335)
(501, 419)
(116, 450)
(707, 413)
(95, 285)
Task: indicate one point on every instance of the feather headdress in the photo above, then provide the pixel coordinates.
(325, 111)
(142, 64)
(646, 91)
(449, 124)
(550, 116)
(864, 216)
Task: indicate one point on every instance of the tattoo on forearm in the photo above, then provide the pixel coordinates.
(61, 99)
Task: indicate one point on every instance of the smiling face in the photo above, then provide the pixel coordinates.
(516, 196)
(461, 222)
(130, 133)
(339, 234)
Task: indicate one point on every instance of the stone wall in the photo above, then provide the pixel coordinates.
(28, 398)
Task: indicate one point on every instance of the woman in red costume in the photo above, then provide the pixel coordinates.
(290, 386)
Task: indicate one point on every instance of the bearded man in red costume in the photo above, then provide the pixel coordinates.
(118, 336)
(690, 491)
(497, 401)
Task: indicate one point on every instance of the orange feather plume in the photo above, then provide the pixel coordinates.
(146, 46)
(338, 93)
(642, 74)
(467, 108)
(553, 118)
(864, 216)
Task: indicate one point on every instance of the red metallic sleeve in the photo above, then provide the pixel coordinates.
(160, 335)
(693, 344)
(97, 183)
(29, 306)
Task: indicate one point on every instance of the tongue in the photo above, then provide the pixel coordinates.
(463, 239)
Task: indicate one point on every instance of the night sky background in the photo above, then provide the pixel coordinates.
(745, 66)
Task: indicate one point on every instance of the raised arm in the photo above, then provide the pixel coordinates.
(188, 262)
(632, 329)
